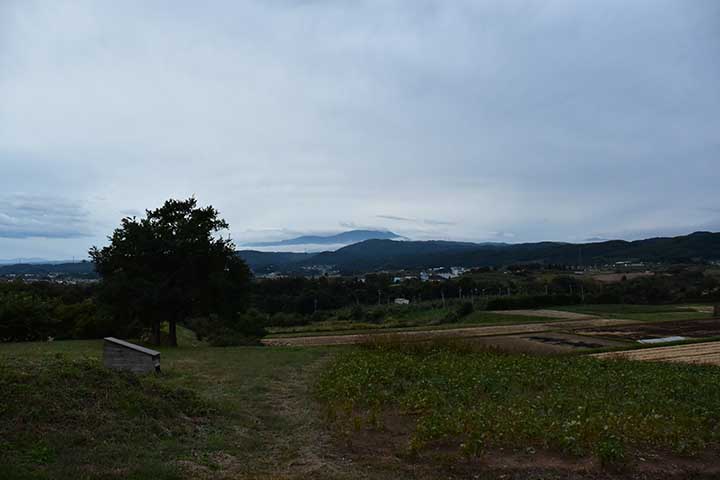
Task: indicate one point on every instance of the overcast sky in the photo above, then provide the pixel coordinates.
(469, 120)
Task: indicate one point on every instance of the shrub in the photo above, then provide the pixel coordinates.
(465, 309)
(610, 452)
(357, 313)
(245, 329)
(282, 319)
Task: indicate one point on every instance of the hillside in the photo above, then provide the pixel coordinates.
(84, 269)
(265, 262)
(388, 254)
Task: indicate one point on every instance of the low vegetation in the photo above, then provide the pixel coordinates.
(474, 401)
(214, 413)
(59, 414)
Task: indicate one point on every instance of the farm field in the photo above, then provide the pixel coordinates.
(697, 353)
(691, 329)
(436, 402)
(423, 319)
(419, 317)
(429, 334)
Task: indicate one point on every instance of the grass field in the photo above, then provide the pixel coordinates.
(214, 412)
(470, 402)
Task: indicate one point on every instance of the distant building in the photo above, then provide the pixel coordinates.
(402, 301)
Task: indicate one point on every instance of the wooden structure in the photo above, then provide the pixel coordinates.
(121, 355)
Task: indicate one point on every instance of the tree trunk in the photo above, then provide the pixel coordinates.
(156, 332)
(173, 332)
(716, 311)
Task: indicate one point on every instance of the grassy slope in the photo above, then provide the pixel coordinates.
(247, 432)
(475, 401)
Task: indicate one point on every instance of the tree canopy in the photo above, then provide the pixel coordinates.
(169, 266)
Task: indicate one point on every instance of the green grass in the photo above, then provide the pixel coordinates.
(215, 409)
(479, 400)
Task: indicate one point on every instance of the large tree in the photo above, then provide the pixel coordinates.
(171, 265)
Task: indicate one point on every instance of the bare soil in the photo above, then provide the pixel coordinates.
(703, 353)
(698, 328)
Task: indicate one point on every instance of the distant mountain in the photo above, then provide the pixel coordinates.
(344, 238)
(266, 262)
(374, 255)
(83, 269)
(33, 260)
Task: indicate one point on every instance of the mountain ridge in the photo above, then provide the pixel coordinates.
(374, 255)
(346, 238)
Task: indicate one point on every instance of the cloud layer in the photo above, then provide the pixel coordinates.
(510, 121)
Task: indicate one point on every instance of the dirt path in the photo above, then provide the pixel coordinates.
(703, 353)
(465, 332)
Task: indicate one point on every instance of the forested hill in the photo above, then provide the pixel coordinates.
(81, 269)
(373, 255)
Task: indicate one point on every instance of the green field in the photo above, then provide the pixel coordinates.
(472, 402)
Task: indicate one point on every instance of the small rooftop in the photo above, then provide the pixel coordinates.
(132, 346)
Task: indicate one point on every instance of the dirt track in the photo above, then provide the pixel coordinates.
(705, 353)
(465, 332)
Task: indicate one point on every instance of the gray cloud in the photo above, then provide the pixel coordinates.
(27, 216)
(399, 219)
(548, 119)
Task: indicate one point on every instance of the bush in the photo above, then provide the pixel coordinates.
(227, 337)
(245, 329)
(531, 301)
(282, 319)
(610, 452)
(357, 313)
(465, 309)
(375, 316)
